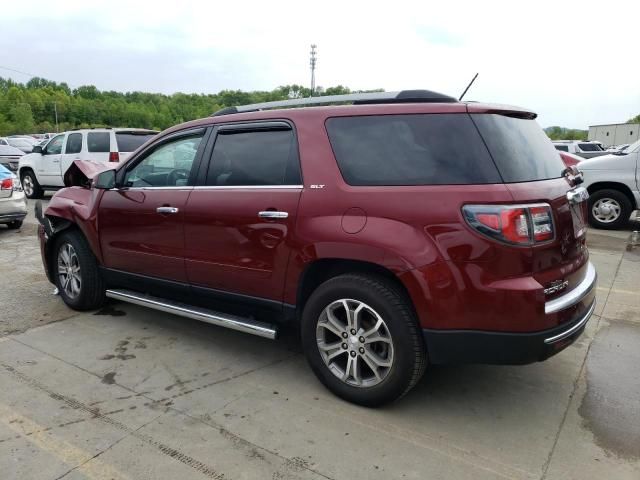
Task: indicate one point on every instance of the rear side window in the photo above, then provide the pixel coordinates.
(74, 143)
(426, 149)
(562, 148)
(128, 142)
(520, 148)
(268, 157)
(98, 142)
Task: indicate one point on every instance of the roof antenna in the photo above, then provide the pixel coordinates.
(468, 86)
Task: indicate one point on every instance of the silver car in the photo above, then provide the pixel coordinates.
(13, 203)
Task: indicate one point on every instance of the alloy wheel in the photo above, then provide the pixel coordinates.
(27, 185)
(69, 270)
(606, 210)
(355, 343)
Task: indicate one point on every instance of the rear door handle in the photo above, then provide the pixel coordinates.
(167, 210)
(273, 214)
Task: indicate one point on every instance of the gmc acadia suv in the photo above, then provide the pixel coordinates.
(401, 230)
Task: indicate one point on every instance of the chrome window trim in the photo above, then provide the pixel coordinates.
(572, 330)
(219, 187)
(574, 296)
(126, 189)
(245, 187)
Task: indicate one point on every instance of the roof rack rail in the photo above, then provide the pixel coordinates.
(404, 96)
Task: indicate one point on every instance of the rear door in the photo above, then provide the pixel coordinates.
(239, 220)
(141, 224)
(532, 171)
(71, 152)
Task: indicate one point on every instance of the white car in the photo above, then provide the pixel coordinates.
(13, 205)
(612, 182)
(583, 149)
(44, 168)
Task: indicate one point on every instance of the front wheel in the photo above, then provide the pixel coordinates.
(76, 272)
(30, 185)
(609, 209)
(362, 340)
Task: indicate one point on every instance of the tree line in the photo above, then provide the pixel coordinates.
(32, 107)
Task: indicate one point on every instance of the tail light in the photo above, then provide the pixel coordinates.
(114, 157)
(6, 184)
(512, 224)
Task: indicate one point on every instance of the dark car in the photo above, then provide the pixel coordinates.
(403, 230)
(10, 156)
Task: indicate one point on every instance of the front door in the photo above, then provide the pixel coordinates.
(141, 224)
(238, 223)
(49, 172)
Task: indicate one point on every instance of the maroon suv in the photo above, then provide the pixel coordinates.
(401, 230)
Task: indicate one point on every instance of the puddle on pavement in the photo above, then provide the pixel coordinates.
(611, 407)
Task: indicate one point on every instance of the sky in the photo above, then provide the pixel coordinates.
(574, 62)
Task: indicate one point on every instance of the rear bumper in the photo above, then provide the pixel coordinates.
(499, 348)
(474, 346)
(13, 207)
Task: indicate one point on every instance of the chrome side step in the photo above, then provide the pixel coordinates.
(233, 322)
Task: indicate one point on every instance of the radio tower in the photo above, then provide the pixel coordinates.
(312, 62)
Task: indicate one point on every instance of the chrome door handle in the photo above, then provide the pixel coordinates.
(167, 210)
(273, 214)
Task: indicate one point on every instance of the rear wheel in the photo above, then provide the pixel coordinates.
(76, 272)
(609, 209)
(30, 185)
(362, 340)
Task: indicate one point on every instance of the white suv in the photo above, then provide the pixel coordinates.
(44, 168)
(614, 187)
(584, 149)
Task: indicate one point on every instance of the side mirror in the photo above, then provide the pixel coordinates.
(105, 180)
(37, 149)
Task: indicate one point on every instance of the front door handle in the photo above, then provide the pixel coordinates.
(167, 210)
(273, 214)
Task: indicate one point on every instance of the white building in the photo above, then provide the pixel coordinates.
(616, 134)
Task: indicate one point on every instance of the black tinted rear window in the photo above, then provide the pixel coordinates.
(520, 148)
(98, 142)
(128, 142)
(427, 149)
(562, 148)
(590, 147)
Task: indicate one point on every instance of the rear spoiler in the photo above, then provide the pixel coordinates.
(497, 109)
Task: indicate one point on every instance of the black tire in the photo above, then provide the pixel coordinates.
(392, 304)
(15, 224)
(616, 196)
(91, 294)
(36, 190)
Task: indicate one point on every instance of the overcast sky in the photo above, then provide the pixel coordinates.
(576, 63)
